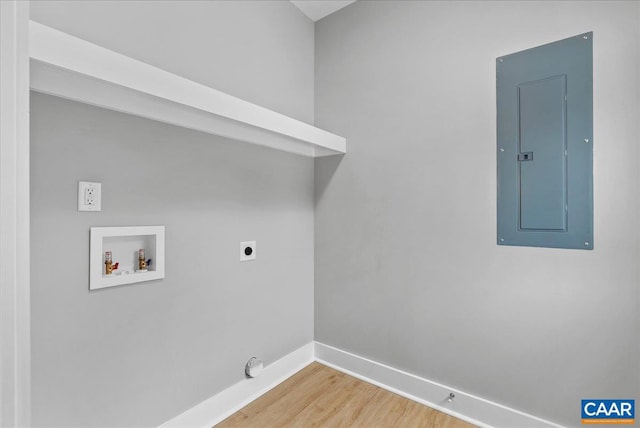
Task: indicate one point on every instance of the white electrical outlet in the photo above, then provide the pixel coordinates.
(247, 251)
(89, 196)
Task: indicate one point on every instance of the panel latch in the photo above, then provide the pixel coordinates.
(527, 156)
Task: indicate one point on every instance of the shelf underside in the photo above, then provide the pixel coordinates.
(71, 68)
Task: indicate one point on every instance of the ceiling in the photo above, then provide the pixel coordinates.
(318, 9)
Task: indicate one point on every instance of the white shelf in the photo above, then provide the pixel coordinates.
(124, 243)
(72, 68)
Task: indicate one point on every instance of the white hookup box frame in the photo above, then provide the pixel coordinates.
(124, 243)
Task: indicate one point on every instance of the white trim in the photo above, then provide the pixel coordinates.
(15, 345)
(468, 407)
(69, 67)
(222, 405)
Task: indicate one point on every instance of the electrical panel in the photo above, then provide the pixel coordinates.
(545, 145)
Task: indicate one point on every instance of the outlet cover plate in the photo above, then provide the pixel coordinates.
(89, 196)
(244, 246)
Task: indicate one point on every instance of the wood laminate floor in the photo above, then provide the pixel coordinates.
(318, 396)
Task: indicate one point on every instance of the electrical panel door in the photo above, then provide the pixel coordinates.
(545, 145)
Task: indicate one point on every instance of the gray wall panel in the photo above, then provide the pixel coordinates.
(260, 51)
(407, 268)
(140, 354)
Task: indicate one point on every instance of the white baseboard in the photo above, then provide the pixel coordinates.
(224, 404)
(468, 407)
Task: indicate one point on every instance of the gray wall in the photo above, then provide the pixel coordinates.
(260, 51)
(407, 271)
(140, 354)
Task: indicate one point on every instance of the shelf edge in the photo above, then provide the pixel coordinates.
(79, 60)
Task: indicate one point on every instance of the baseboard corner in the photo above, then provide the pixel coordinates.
(222, 405)
(468, 407)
